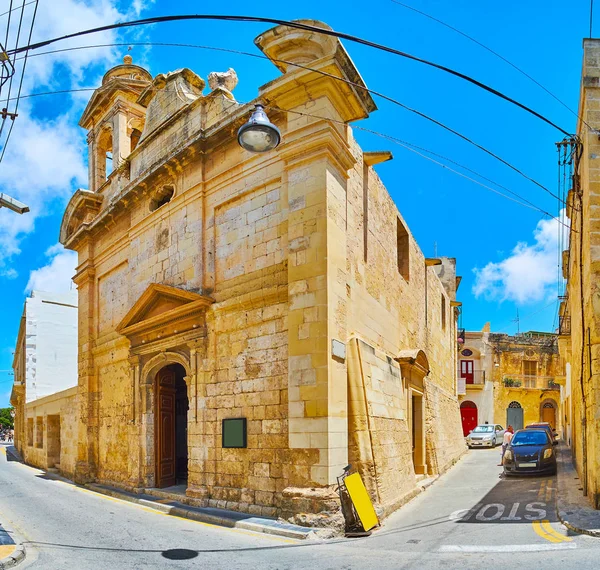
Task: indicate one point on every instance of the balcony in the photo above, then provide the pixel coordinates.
(474, 381)
(525, 382)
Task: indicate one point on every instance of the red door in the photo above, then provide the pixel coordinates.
(165, 428)
(466, 371)
(468, 415)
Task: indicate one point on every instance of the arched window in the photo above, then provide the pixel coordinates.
(104, 158)
(514, 404)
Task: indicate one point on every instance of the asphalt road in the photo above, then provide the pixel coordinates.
(470, 518)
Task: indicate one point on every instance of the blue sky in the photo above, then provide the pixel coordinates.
(507, 254)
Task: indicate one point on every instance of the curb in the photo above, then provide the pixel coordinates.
(561, 513)
(563, 520)
(255, 524)
(14, 559)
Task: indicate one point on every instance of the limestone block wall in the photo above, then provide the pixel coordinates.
(384, 314)
(510, 353)
(42, 439)
(583, 290)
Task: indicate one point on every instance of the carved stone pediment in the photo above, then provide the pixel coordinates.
(414, 366)
(163, 311)
(81, 210)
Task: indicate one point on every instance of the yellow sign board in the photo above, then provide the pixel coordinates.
(361, 501)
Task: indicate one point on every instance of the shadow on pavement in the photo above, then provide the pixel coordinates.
(514, 500)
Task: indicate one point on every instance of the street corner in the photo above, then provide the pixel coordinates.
(12, 551)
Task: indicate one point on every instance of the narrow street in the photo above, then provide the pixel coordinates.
(470, 518)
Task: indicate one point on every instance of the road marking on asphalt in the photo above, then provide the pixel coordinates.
(545, 530)
(506, 547)
(541, 532)
(542, 489)
(6, 550)
(495, 511)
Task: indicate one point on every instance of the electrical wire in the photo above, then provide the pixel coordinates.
(8, 24)
(297, 25)
(12, 124)
(495, 53)
(335, 77)
(408, 146)
(11, 8)
(13, 63)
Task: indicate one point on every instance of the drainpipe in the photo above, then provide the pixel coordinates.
(583, 400)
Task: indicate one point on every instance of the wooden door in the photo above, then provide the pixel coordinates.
(549, 415)
(468, 415)
(165, 428)
(466, 371)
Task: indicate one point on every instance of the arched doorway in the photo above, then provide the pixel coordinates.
(549, 412)
(514, 415)
(468, 415)
(170, 436)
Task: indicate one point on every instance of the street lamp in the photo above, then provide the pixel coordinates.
(259, 134)
(12, 204)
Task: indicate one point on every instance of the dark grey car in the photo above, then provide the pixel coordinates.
(530, 451)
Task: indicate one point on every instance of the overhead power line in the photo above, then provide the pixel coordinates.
(521, 200)
(409, 146)
(335, 77)
(495, 53)
(301, 26)
(12, 124)
(13, 9)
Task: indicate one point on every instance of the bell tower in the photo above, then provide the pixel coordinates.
(114, 120)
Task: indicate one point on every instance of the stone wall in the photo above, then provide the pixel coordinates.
(510, 353)
(289, 254)
(45, 415)
(580, 345)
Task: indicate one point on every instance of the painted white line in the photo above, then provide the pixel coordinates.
(507, 547)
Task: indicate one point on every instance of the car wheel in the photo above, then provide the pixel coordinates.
(494, 442)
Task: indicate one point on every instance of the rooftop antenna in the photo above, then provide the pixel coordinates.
(517, 321)
(435, 249)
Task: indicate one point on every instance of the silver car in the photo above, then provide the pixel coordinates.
(486, 435)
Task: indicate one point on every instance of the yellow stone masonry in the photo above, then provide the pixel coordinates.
(283, 288)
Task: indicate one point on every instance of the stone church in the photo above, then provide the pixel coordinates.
(250, 323)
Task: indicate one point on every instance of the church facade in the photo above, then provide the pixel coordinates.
(249, 324)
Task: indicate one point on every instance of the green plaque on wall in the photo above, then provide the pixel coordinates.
(234, 432)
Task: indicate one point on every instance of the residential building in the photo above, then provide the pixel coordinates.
(45, 379)
(476, 380)
(526, 370)
(252, 323)
(579, 313)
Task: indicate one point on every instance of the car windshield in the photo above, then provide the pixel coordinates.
(529, 438)
(483, 429)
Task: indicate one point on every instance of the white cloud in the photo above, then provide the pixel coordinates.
(56, 276)
(46, 156)
(529, 273)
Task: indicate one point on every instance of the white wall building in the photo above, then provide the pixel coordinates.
(46, 353)
(475, 380)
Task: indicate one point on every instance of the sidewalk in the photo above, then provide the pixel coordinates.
(221, 517)
(574, 510)
(11, 553)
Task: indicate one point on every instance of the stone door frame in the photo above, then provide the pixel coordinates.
(146, 411)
